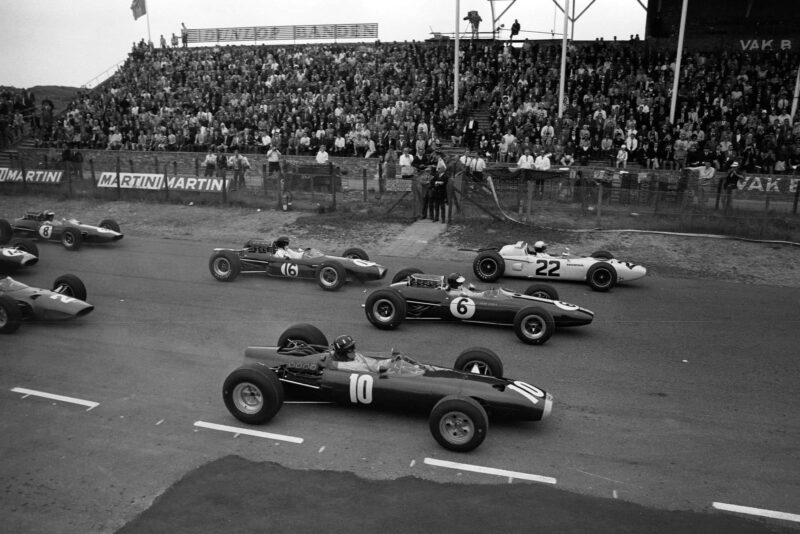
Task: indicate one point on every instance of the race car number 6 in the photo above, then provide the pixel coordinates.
(45, 231)
(462, 307)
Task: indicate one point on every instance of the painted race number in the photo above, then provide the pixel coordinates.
(63, 298)
(12, 252)
(363, 263)
(548, 268)
(289, 269)
(46, 231)
(361, 389)
(462, 307)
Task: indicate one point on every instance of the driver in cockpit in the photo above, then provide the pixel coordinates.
(282, 249)
(455, 285)
(539, 249)
(343, 356)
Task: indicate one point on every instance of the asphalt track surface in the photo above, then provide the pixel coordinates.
(681, 394)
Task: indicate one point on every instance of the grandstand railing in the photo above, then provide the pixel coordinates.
(596, 194)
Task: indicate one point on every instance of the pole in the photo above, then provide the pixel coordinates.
(147, 14)
(677, 73)
(796, 95)
(455, 60)
(562, 82)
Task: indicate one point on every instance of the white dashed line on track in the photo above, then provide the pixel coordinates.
(248, 432)
(772, 514)
(52, 396)
(490, 471)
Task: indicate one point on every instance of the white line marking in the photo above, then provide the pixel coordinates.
(490, 471)
(413, 462)
(159, 422)
(757, 511)
(246, 431)
(52, 396)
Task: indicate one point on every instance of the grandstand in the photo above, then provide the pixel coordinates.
(368, 100)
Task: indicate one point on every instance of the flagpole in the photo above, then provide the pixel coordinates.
(147, 14)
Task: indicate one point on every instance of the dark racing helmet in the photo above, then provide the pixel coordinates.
(343, 346)
(282, 242)
(539, 246)
(49, 215)
(454, 280)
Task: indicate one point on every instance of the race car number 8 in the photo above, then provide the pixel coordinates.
(462, 307)
(361, 389)
(289, 269)
(46, 231)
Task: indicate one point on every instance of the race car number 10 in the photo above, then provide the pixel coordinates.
(360, 389)
(462, 307)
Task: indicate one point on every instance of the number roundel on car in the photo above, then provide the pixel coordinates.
(289, 269)
(363, 263)
(46, 230)
(462, 307)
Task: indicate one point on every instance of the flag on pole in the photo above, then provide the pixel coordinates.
(139, 8)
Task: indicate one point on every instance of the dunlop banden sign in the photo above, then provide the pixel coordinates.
(155, 182)
(32, 176)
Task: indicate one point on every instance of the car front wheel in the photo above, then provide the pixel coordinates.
(331, 275)
(601, 276)
(534, 325)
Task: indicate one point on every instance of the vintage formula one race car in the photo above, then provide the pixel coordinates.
(459, 401)
(70, 232)
(17, 254)
(330, 272)
(534, 314)
(600, 270)
(20, 302)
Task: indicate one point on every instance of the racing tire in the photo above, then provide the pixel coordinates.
(330, 275)
(403, 274)
(601, 276)
(385, 309)
(543, 291)
(458, 424)
(109, 224)
(602, 255)
(71, 286)
(489, 265)
(307, 333)
(71, 239)
(534, 325)
(225, 266)
(5, 231)
(26, 245)
(253, 394)
(10, 315)
(355, 253)
(481, 361)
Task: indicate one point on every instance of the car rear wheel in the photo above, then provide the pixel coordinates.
(330, 275)
(225, 266)
(71, 239)
(479, 360)
(542, 291)
(488, 265)
(602, 255)
(109, 224)
(253, 395)
(458, 424)
(71, 286)
(10, 315)
(534, 325)
(601, 276)
(355, 253)
(302, 332)
(403, 274)
(5, 231)
(26, 245)
(385, 309)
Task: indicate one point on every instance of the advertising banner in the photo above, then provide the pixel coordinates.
(155, 182)
(35, 177)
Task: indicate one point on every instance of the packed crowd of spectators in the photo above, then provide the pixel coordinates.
(17, 107)
(361, 100)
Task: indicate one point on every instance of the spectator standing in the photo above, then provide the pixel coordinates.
(240, 166)
(526, 165)
(705, 175)
(439, 196)
(406, 161)
(515, 29)
(541, 164)
(273, 161)
(322, 155)
(222, 163)
(730, 183)
(210, 163)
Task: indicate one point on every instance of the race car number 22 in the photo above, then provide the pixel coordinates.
(462, 307)
(543, 270)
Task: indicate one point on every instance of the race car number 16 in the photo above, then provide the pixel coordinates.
(46, 231)
(289, 269)
(462, 307)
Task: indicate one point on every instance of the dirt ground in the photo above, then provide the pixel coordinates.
(664, 255)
